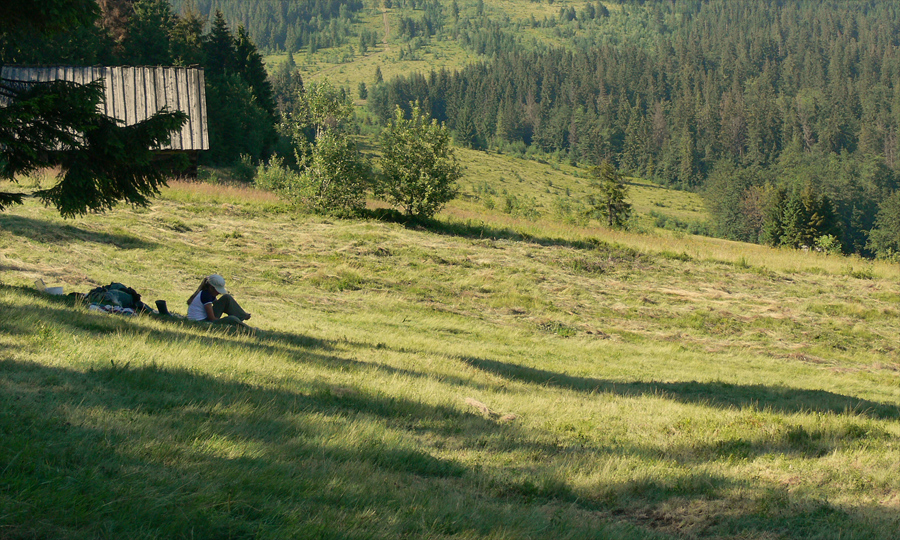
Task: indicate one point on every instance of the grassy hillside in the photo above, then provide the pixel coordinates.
(492, 376)
(347, 66)
(535, 190)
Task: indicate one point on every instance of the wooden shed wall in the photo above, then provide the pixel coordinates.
(133, 94)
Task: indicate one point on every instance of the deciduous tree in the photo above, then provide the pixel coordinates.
(419, 167)
(333, 176)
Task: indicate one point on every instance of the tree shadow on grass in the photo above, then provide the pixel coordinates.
(137, 451)
(62, 313)
(125, 451)
(483, 231)
(200, 454)
(223, 458)
(48, 232)
(717, 394)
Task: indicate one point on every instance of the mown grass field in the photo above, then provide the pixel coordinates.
(486, 376)
(557, 191)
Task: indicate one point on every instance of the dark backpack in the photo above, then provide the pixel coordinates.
(116, 294)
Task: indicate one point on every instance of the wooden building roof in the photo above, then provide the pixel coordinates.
(132, 94)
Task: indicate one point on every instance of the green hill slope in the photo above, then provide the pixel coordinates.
(399, 53)
(801, 100)
(489, 377)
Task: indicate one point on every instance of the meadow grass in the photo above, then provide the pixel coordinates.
(483, 375)
(559, 190)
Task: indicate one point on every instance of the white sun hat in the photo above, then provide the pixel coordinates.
(218, 282)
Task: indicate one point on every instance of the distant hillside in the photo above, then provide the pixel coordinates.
(285, 24)
(757, 105)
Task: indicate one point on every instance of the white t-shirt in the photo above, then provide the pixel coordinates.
(197, 309)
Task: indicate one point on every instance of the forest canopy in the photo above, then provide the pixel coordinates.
(802, 96)
(286, 25)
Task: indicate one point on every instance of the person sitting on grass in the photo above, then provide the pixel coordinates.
(203, 305)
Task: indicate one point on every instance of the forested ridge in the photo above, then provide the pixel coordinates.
(749, 101)
(287, 25)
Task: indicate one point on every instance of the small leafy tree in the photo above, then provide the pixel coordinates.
(333, 176)
(419, 166)
(608, 200)
(828, 244)
(323, 107)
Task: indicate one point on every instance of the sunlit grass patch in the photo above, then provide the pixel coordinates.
(483, 375)
(209, 193)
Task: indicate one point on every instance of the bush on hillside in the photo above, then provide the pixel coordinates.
(419, 166)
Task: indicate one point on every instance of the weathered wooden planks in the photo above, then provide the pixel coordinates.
(133, 94)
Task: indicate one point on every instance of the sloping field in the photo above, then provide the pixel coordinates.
(485, 377)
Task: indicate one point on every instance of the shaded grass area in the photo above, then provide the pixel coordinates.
(185, 452)
(43, 231)
(780, 399)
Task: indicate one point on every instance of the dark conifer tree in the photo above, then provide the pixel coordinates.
(57, 124)
(250, 65)
(219, 46)
(608, 198)
(148, 34)
(287, 83)
(187, 38)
